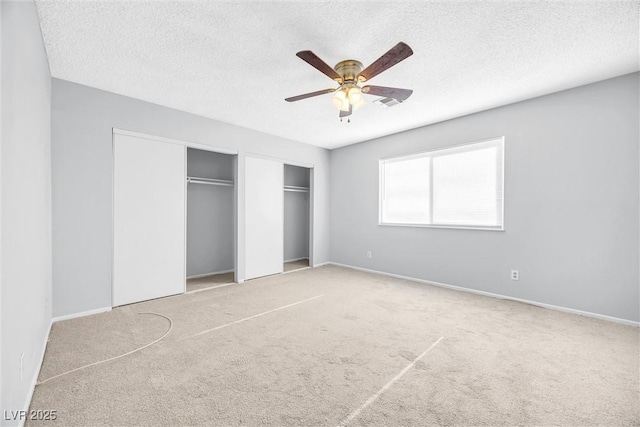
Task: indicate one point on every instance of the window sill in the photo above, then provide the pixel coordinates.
(455, 227)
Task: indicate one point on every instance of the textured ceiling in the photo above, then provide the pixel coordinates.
(235, 61)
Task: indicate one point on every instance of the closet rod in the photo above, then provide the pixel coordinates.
(200, 181)
(295, 187)
(297, 190)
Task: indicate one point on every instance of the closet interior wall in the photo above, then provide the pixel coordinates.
(210, 212)
(296, 212)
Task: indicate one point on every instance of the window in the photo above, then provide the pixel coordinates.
(457, 187)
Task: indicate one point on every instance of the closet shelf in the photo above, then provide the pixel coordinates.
(296, 189)
(209, 181)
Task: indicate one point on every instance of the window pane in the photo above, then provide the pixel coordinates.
(459, 186)
(465, 188)
(406, 191)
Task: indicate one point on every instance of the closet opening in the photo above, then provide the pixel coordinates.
(297, 231)
(211, 201)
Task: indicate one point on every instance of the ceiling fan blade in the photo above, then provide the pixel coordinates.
(313, 60)
(399, 52)
(309, 95)
(388, 92)
(346, 113)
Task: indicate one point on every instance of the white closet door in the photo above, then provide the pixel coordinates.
(149, 219)
(264, 217)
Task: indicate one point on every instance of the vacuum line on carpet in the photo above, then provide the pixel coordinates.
(116, 357)
(251, 317)
(375, 397)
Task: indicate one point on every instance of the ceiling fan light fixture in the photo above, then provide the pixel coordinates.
(358, 104)
(338, 98)
(349, 73)
(355, 95)
(341, 100)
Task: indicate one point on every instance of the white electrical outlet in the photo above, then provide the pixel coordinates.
(369, 254)
(21, 365)
(515, 275)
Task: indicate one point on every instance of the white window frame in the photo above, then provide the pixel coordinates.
(500, 142)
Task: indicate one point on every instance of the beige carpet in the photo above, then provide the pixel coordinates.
(274, 356)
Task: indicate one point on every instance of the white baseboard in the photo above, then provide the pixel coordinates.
(81, 314)
(499, 296)
(197, 276)
(320, 264)
(296, 259)
(34, 380)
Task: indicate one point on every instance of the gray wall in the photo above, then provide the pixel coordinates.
(82, 119)
(571, 203)
(26, 203)
(210, 214)
(296, 214)
(295, 175)
(296, 225)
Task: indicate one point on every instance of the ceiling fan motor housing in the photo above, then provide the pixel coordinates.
(348, 69)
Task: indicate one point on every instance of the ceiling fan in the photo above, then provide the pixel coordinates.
(349, 73)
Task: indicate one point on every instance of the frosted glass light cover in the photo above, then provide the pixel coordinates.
(355, 95)
(339, 99)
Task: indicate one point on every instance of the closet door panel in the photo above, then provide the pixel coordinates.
(149, 219)
(264, 217)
